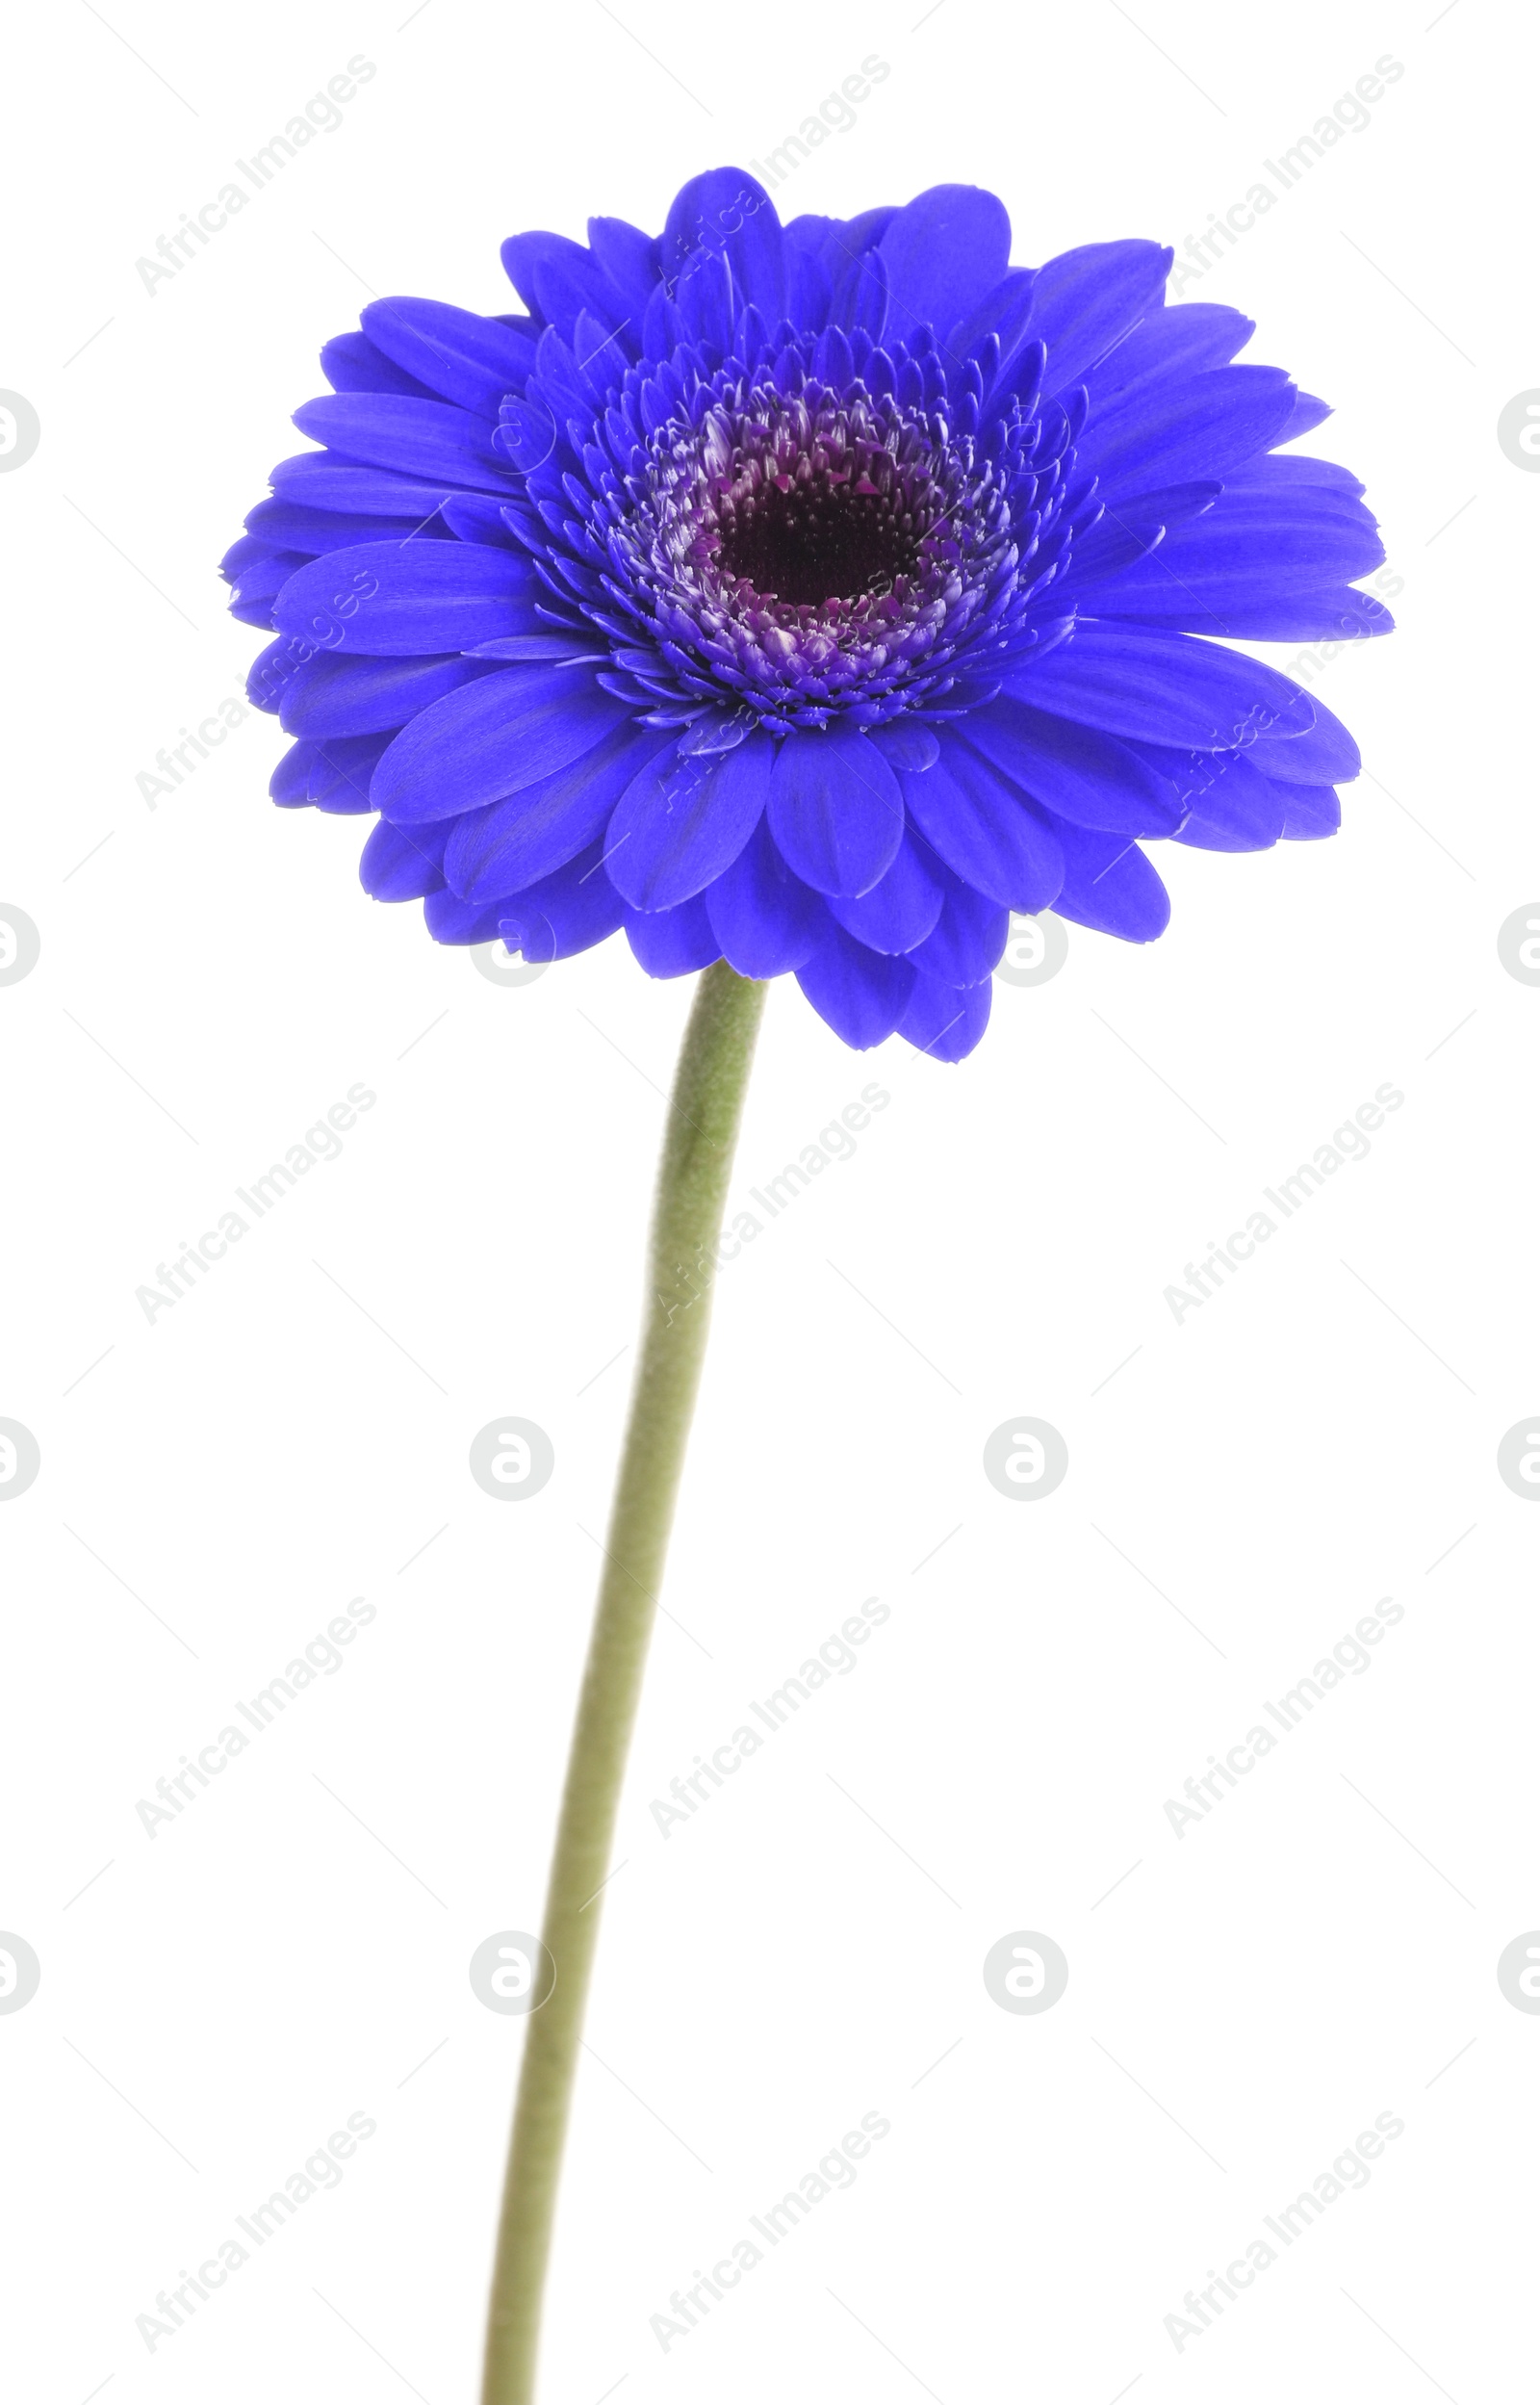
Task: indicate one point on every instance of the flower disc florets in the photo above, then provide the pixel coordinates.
(827, 548)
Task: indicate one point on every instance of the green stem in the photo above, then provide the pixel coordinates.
(705, 1112)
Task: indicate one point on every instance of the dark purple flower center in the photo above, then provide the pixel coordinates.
(819, 511)
(839, 524)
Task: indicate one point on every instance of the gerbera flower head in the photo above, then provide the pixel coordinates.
(808, 596)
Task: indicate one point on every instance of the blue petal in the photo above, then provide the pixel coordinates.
(1232, 806)
(415, 438)
(316, 479)
(662, 331)
(681, 821)
(764, 918)
(809, 293)
(604, 358)
(1304, 417)
(402, 864)
(862, 995)
(833, 358)
(703, 299)
(968, 941)
(467, 359)
(1074, 771)
(352, 363)
(728, 211)
(1160, 688)
(1110, 885)
(718, 731)
(1170, 343)
(943, 253)
(450, 920)
(1303, 538)
(496, 737)
(570, 650)
(290, 781)
(671, 942)
(565, 914)
(405, 600)
(1005, 311)
(270, 673)
(1325, 753)
(243, 553)
(900, 910)
(630, 259)
(833, 239)
(255, 573)
(561, 377)
(1287, 467)
(868, 307)
(946, 1021)
(252, 613)
(293, 527)
(1309, 812)
(1269, 613)
(511, 844)
(250, 551)
(557, 278)
(857, 285)
(1124, 536)
(983, 830)
(907, 744)
(340, 771)
(338, 696)
(1086, 300)
(1202, 426)
(834, 809)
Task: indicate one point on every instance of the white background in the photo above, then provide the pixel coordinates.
(1243, 1486)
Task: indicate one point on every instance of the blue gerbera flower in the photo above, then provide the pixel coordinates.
(810, 597)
